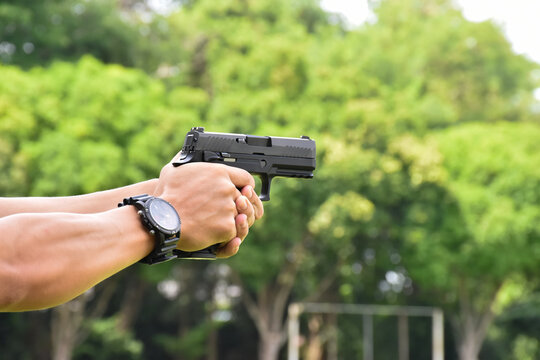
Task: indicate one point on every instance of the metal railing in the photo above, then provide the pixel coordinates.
(367, 312)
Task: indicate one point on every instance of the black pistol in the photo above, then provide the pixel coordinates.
(265, 156)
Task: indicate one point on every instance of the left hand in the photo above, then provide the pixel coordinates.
(249, 208)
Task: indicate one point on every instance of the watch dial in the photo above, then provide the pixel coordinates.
(164, 214)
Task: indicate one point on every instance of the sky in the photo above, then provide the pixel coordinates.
(520, 19)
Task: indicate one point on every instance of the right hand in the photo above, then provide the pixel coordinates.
(210, 206)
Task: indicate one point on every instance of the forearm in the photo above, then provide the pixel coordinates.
(47, 259)
(81, 204)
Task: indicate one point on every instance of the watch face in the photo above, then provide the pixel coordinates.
(164, 215)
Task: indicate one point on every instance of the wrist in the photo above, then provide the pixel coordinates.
(134, 240)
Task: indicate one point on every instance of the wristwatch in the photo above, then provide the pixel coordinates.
(162, 221)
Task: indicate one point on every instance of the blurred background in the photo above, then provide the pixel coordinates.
(426, 193)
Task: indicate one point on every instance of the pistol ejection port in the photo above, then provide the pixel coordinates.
(259, 140)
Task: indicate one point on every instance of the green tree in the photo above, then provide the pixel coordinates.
(37, 32)
(484, 229)
(73, 129)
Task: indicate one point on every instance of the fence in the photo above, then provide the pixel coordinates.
(367, 312)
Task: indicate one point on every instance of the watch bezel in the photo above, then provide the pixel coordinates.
(150, 217)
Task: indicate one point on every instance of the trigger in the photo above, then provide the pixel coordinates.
(265, 188)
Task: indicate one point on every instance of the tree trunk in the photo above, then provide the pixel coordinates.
(268, 313)
(473, 333)
(269, 308)
(131, 304)
(469, 348)
(269, 345)
(65, 326)
(472, 323)
(67, 319)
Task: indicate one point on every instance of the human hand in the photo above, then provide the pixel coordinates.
(249, 208)
(210, 206)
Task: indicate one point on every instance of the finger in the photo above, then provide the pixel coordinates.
(240, 177)
(244, 206)
(252, 196)
(239, 204)
(242, 226)
(229, 249)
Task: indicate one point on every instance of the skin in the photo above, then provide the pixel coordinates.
(54, 249)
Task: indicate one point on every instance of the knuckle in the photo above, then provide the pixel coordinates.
(244, 223)
(224, 190)
(228, 229)
(230, 208)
